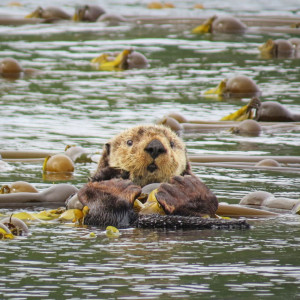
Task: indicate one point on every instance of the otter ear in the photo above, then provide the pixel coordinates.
(104, 161)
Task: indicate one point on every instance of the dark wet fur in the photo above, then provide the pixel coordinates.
(185, 199)
(187, 196)
(106, 207)
(189, 223)
(108, 173)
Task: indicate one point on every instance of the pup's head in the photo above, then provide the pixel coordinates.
(147, 153)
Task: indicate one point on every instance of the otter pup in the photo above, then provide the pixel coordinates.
(135, 158)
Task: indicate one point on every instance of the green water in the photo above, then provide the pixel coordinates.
(70, 103)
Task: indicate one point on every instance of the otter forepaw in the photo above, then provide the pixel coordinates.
(95, 191)
(187, 196)
(108, 173)
(110, 202)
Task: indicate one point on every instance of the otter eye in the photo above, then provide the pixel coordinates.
(129, 142)
(172, 144)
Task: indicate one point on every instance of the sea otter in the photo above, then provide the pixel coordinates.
(137, 157)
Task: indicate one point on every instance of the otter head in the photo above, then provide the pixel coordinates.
(145, 154)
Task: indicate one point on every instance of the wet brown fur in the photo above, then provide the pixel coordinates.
(124, 168)
(124, 161)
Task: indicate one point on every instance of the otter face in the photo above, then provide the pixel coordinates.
(149, 153)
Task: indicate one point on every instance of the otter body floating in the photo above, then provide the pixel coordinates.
(189, 223)
(172, 222)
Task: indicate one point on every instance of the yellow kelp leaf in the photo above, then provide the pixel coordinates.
(74, 215)
(152, 206)
(239, 115)
(267, 47)
(155, 5)
(112, 231)
(112, 65)
(14, 3)
(46, 215)
(205, 216)
(221, 217)
(75, 17)
(117, 63)
(5, 189)
(70, 215)
(205, 27)
(245, 112)
(138, 205)
(219, 90)
(5, 233)
(34, 14)
(90, 235)
(103, 58)
(45, 163)
(25, 216)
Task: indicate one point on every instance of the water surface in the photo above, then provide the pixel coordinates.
(71, 103)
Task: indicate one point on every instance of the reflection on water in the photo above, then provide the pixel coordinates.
(71, 103)
(146, 263)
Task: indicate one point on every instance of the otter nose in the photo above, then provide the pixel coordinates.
(155, 148)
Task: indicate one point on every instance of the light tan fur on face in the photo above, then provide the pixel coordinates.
(135, 159)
